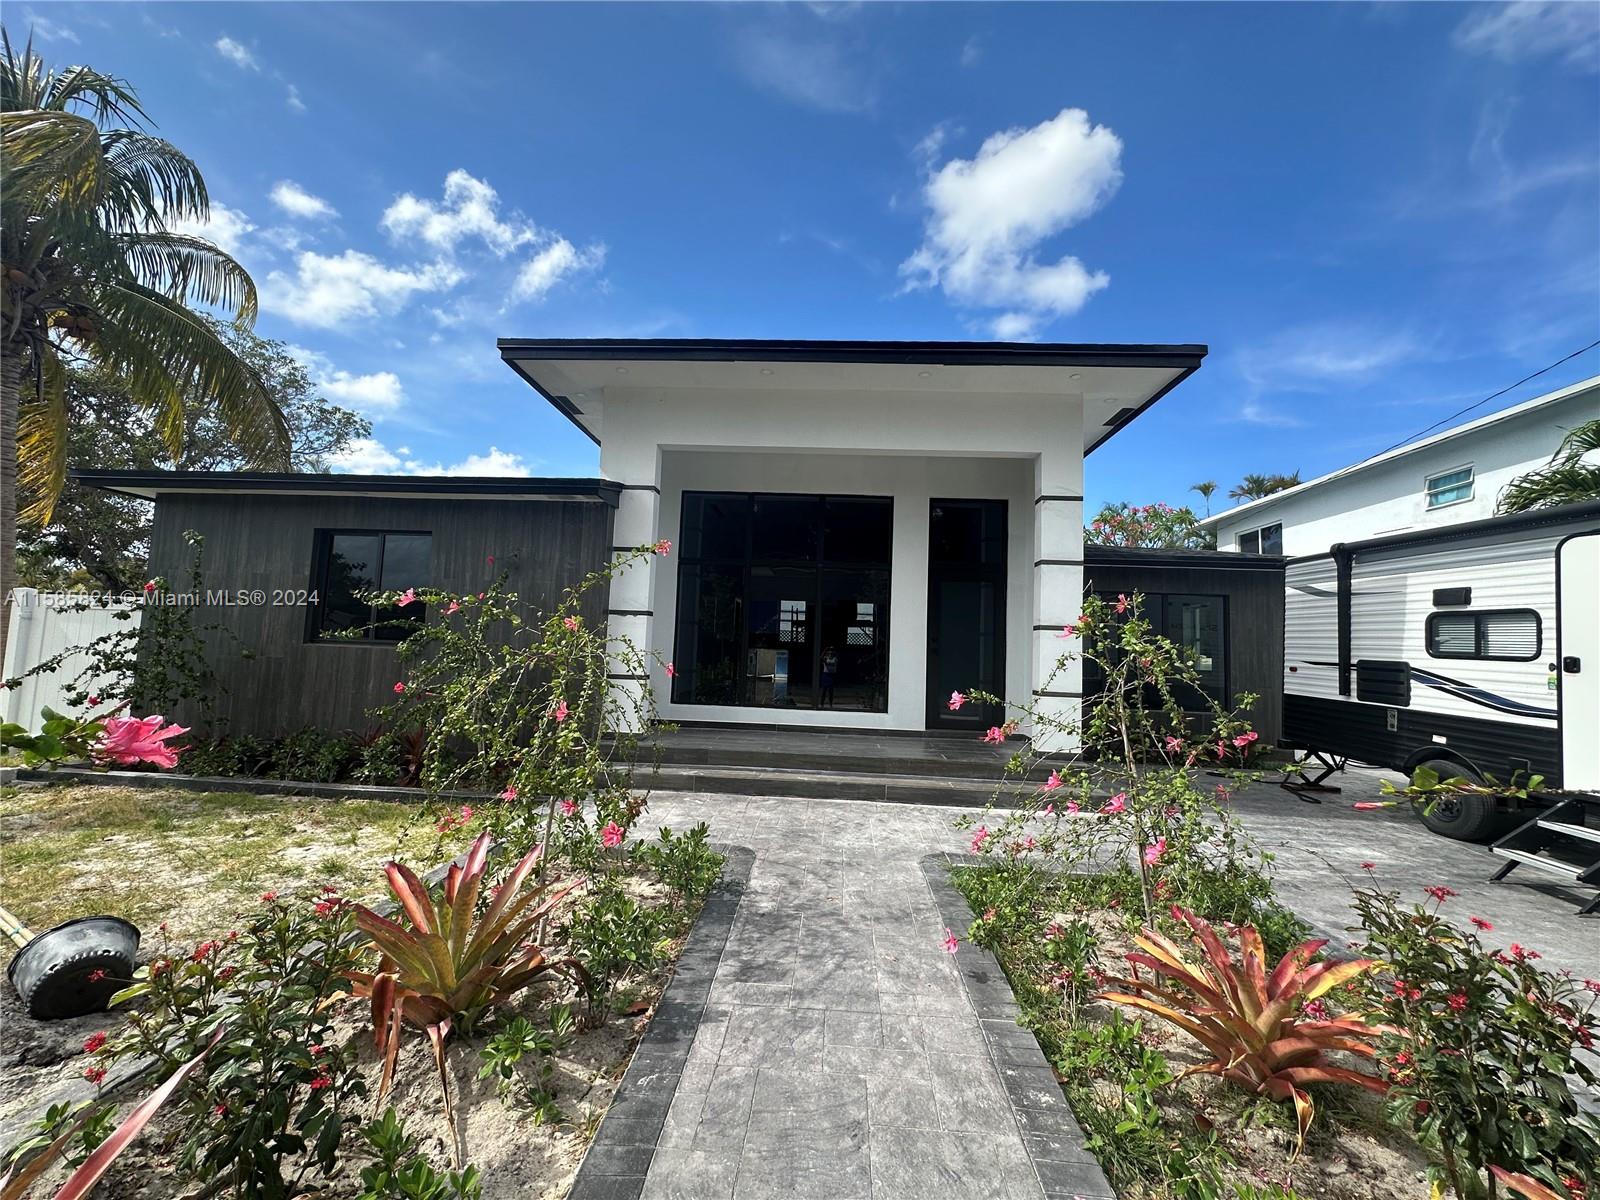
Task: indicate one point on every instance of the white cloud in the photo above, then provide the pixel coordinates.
(971, 51)
(369, 456)
(44, 27)
(297, 202)
(553, 264)
(295, 103)
(470, 209)
(1330, 354)
(1526, 29)
(328, 291)
(989, 215)
(379, 392)
(226, 228)
(236, 53)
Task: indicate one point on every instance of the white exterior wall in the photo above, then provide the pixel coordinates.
(1391, 496)
(910, 446)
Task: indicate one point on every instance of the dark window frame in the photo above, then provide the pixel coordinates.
(1478, 616)
(1155, 612)
(322, 562)
(819, 566)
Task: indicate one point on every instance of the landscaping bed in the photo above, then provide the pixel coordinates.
(240, 898)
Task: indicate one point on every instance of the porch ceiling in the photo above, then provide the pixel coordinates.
(1115, 382)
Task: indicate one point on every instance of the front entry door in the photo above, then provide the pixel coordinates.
(966, 609)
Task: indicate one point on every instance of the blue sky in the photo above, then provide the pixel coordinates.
(1373, 214)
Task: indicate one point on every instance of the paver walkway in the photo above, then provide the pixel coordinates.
(839, 1058)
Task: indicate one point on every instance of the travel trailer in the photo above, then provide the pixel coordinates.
(1472, 649)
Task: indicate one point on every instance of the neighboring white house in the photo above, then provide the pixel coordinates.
(858, 528)
(1444, 479)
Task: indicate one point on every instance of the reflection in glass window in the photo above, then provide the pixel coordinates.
(783, 601)
(350, 564)
(1198, 624)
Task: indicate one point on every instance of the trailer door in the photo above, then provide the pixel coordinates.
(1578, 661)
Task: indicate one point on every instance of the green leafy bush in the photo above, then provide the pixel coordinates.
(520, 1059)
(616, 938)
(684, 862)
(312, 756)
(276, 1089)
(1486, 1049)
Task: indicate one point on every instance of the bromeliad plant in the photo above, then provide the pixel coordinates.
(1259, 1027)
(443, 963)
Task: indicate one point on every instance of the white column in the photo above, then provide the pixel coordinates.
(1057, 591)
(631, 604)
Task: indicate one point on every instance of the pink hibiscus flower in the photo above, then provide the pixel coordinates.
(995, 736)
(129, 740)
(571, 624)
(1154, 851)
(1052, 783)
(399, 688)
(1117, 803)
(950, 941)
(568, 807)
(663, 547)
(409, 596)
(611, 835)
(560, 711)
(672, 671)
(956, 701)
(452, 607)
(509, 794)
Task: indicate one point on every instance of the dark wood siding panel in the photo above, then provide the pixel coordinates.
(265, 543)
(1255, 623)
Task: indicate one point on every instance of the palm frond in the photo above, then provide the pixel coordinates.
(42, 441)
(190, 269)
(193, 361)
(148, 181)
(1566, 479)
(50, 159)
(26, 83)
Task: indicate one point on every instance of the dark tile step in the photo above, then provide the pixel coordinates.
(825, 785)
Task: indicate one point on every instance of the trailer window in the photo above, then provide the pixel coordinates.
(1506, 635)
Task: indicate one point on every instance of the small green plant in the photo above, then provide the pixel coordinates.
(1486, 1052)
(684, 862)
(616, 938)
(87, 1124)
(312, 755)
(402, 1173)
(522, 1042)
(60, 739)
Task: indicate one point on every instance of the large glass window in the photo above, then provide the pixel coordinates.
(1266, 540)
(783, 601)
(1197, 623)
(347, 563)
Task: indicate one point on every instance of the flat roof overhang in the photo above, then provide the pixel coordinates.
(147, 485)
(1118, 381)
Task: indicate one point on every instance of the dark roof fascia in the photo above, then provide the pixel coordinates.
(1185, 358)
(1188, 560)
(1511, 523)
(146, 484)
(950, 354)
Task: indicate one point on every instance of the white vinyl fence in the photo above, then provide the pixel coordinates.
(41, 628)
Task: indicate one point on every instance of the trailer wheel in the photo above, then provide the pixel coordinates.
(1465, 817)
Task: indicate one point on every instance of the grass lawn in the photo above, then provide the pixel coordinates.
(193, 859)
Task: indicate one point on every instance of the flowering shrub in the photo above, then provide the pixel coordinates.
(127, 741)
(1484, 1049)
(276, 1090)
(1137, 802)
(525, 705)
(1157, 526)
(107, 740)
(1255, 1024)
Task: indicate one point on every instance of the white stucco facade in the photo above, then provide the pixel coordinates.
(913, 431)
(1390, 493)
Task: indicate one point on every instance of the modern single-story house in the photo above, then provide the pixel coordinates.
(858, 529)
(1448, 478)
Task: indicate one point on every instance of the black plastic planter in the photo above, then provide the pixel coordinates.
(52, 971)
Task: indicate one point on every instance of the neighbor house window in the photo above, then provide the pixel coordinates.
(1507, 634)
(348, 564)
(1266, 540)
(783, 601)
(1450, 487)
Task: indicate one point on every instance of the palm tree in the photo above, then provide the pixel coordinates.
(1205, 489)
(1565, 479)
(92, 271)
(1254, 487)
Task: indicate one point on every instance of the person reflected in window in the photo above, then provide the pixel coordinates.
(830, 671)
